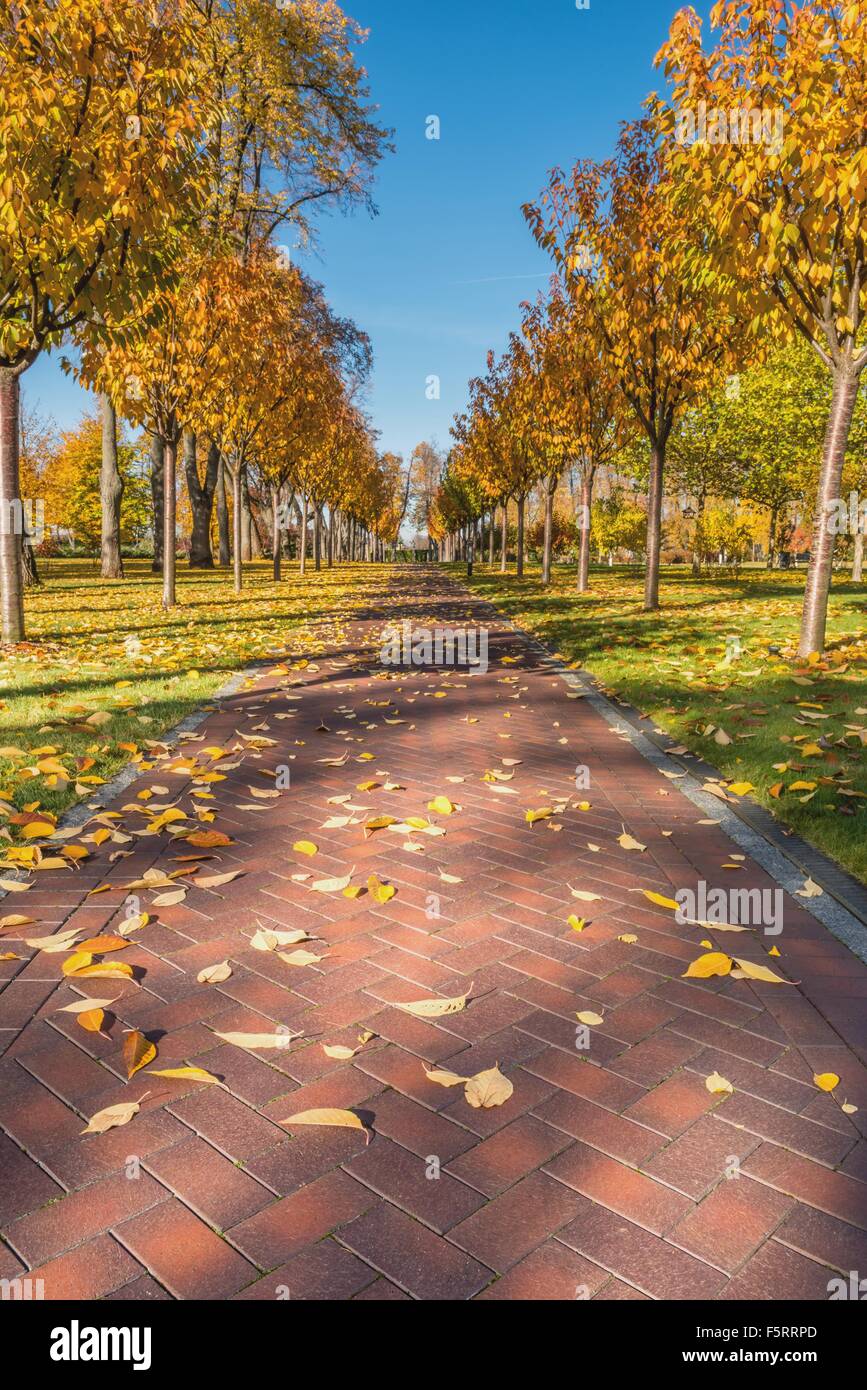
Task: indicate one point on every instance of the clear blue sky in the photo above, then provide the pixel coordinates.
(437, 277)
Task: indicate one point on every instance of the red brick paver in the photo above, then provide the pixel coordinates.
(611, 1173)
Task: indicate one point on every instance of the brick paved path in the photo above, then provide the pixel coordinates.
(605, 1172)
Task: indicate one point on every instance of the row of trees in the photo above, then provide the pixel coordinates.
(681, 265)
(151, 151)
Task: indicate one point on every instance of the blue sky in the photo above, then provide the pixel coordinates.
(436, 279)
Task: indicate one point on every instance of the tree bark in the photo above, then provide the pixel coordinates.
(858, 557)
(158, 486)
(110, 493)
(317, 538)
(237, 526)
(587, 478)
(548, 544)
(302, 539)
(257, 547)
(504, 538)
(772, 538)
(170, 519)
(246, 520)
(201, 501)
(654, 527)
(29, 567)
(519, 569)
(223, 517)
(275, 531)
(696, 549)
(331, 540)
(815, 615)
(11, 510)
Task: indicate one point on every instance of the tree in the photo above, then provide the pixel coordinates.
(775, 421)
(39, 447)
(295, 128)
(583, 407)
(111, 494)
(201, 490)
(72, 485)
(625, 257)
(618, 523)
(427, 463)
(101, 125)
(702, 461)
(155, 369)
(503, 449)
(294, 132)
(787, 213)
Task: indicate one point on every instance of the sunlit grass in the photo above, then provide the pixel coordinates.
(100, 647)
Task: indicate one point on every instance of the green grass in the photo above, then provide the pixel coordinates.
(106, 647)
(671, 666)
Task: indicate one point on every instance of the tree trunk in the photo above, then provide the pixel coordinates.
(317, 538)
(696, 549)
(302, 539)
(201, 501)
(654, 527)
(257, 548)
(331, 540)
(587, 478)
(275, 531)
(504, 538)
(223, 516)
(772, 538)
(491, 529)
(858, 557)
(158, 492)
(110, 494)
(29, 567)
(815, 615)
(519, 569)
(246, 520)
(11, 511)
(550, 489)
(237, 525)
(169, 519)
